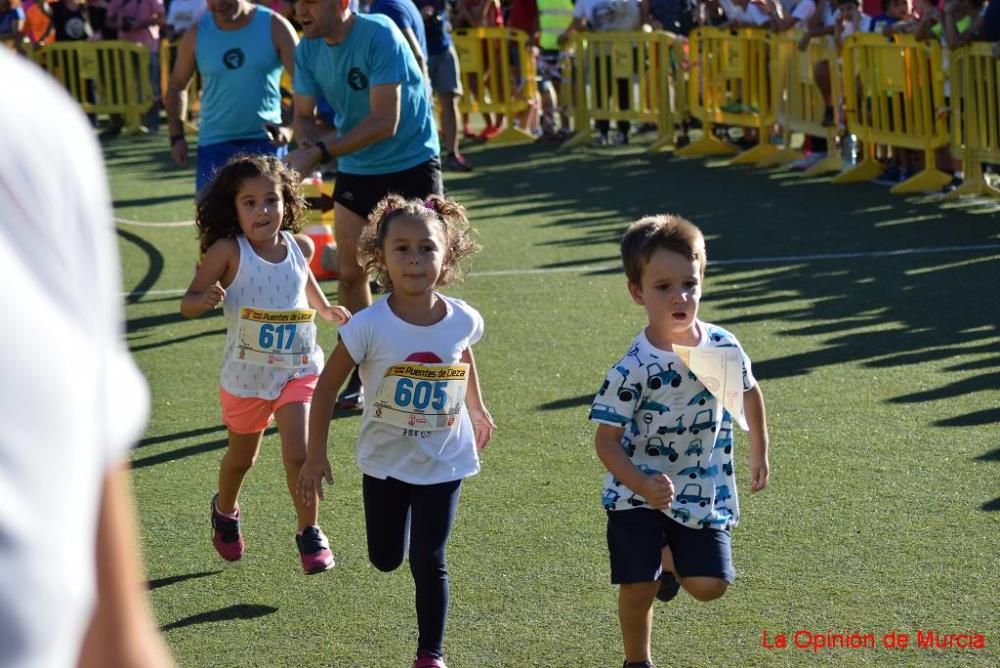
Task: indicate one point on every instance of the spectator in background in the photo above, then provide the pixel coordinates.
(552, 17)
(745, 14)
(446, 78)
(523, 15)
(674, 16)
(72, 21)
(239, 49)
(987, 27)
(406, 16)
(181, 15)
(38, 27)
(139, 21)
(480, 14)
(72, 592)
(11, 18)
(609, 16)
(794, 16)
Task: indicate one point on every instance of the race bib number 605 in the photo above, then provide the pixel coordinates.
(427, 397)
(275, 338)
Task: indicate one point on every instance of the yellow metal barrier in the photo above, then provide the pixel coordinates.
(730, 83)
(975, 123)
(498, 76)
(168, 56)
(626, 76)
(801, 106)
(894, 92)
(109, 77)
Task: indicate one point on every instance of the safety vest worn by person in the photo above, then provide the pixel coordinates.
(554, 17)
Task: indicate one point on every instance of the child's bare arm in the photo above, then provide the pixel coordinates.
(482, 422)
(317, 465)
(206, 291)
(314, 294)
(753, 404)
(657, 490)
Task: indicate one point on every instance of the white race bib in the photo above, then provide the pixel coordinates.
(425, 397)
(275, 338)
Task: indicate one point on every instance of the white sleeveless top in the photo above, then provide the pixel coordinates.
(270, 336)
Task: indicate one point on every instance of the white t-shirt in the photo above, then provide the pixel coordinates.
(673, 425)
(71, 399)
(752, 14)
(377, 339)
(605, 15)
(803, 12)
(184, 13)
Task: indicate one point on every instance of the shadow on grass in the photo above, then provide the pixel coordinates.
(871, 279)
(179, 339)
(155, 259)
(174, 579)
(229, 613)
(167, 438)
(570, 402)
(150, 201)
(186, 451)
(133, 325)
(179, 453)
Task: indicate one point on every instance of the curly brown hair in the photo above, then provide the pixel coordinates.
(216, 206)
(459, 243)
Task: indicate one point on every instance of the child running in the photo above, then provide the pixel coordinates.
(420, 434)
(666, 439)
(259, 269)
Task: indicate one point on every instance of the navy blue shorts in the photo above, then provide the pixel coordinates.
(635, 543)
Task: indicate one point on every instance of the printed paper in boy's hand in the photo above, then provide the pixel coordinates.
(720, 370)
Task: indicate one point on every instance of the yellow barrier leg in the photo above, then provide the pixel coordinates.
(866, 170)
(831, 163)
(973, 188)
(709, 144)
(927, 180)
(511, 136)
(754, 155)
(782, 156)
(579, 139)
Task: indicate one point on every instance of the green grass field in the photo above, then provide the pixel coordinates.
(877, 348)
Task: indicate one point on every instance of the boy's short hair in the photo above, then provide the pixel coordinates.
(666, 231)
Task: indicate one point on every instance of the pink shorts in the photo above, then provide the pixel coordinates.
(248, 415)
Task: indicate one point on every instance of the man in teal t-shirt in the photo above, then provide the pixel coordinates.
(385, 139)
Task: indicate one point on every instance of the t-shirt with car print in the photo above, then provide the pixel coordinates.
(673, 425)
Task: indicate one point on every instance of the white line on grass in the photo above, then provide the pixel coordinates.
(140, 223)
(784, 259)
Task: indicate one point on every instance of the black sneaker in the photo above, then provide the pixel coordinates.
(457, 163)
(353, 397)
(828, 120)
(638, 664)
(669, 586)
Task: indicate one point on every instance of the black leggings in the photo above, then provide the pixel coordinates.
(397, 513)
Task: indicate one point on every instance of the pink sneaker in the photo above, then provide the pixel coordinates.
(314, 549)
(226, 537)
(425, 660)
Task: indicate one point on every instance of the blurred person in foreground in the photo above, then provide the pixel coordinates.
(71, 400)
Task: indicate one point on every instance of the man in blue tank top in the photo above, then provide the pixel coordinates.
(239, 48)
(385, 138)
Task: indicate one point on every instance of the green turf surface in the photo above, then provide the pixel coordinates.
(880, 375)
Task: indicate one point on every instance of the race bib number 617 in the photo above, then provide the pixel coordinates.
(276, 338)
